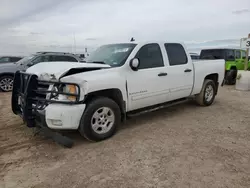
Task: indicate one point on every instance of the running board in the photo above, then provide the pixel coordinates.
(157, 107)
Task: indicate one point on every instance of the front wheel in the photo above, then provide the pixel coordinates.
(207, 94)
(100, 119)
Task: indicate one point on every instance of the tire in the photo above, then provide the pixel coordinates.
(6, 83)
(231, 77)
(100, 119)
(201, 98)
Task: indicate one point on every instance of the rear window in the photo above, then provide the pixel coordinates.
(176, 54)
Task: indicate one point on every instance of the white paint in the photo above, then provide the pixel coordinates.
(68, 115)
(139, 89)
(59, 68)
(243, 83)
(204, 68)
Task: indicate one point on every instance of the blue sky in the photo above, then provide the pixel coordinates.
(27, 26)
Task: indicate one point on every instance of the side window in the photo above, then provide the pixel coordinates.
(176, 54)
(243, 54)
(37, 60)
(14, 59)
(237, 56)
(5, 59)
(59, 58)
(46, 58)
(150, 56)
(71, 59)
(40, 59)
(230, 56)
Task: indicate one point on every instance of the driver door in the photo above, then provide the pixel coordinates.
(149, 85)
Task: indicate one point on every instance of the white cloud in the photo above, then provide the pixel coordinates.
(30, 25)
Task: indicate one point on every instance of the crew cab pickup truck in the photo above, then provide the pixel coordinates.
(117, 81)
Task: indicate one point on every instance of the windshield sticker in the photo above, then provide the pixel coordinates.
(121, 50)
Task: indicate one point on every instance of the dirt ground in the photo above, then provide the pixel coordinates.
(182, 146)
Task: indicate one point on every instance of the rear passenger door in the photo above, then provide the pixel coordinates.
(149, 85)
(180, 71)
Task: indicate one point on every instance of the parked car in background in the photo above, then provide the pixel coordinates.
(82, 57)
(235, 60)
(118, 80)
(7, 70)
(194, 56)
(9, 59)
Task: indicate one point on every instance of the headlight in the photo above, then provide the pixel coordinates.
(65, 92)
(71, 89)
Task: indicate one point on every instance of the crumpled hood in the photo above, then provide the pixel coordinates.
(56, 70)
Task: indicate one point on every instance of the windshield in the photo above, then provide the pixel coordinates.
(24, 60)
(114, 55)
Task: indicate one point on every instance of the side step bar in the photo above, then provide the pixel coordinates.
(157, 107)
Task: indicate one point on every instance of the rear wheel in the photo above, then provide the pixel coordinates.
(231, 77)
(207, 94)
(6, 83)
(100, 119)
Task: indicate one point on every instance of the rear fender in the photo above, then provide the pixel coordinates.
(230, 65)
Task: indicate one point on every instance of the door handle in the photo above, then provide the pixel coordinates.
(163, 74)
(187, 70)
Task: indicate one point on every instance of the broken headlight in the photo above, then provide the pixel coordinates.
(65, 92)
(72, 90)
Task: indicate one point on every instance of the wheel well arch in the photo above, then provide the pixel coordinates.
(215, 78)
(233, 67)
(7, 74)
(114, 94)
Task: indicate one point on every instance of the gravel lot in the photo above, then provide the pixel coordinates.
(182, 146)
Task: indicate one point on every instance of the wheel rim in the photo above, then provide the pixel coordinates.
(209, 92)
(103, 120)
(6, 84)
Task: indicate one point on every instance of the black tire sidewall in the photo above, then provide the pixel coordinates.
(85, 127)
(231, 77)
(2, 77)
(205, 102)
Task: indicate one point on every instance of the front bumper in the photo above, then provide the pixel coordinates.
(37, 110)
(64, 117)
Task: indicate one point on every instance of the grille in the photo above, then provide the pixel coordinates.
(29, 95)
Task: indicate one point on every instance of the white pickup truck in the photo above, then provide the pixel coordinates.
(117, 81)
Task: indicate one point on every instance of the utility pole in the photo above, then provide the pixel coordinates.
(247, 52)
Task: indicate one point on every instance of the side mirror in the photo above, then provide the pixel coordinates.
(134, 64)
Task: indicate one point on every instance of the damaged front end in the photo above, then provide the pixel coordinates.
(31, 95)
